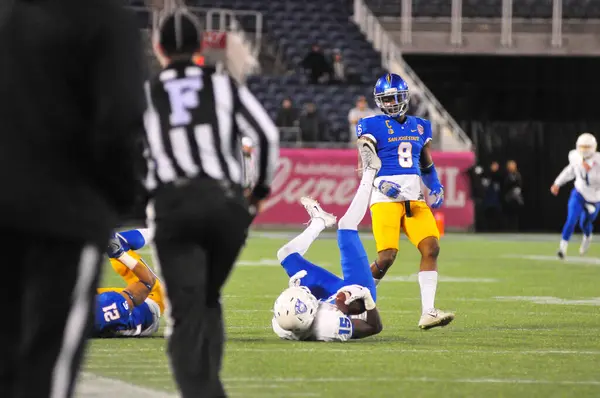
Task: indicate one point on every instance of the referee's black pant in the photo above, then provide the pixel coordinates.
(47, 298)
(201, 227)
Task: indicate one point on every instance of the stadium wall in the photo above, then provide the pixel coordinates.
(329, 175)
(529, 109)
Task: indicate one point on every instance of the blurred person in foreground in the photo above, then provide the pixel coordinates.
(71, 75)
(584, 202)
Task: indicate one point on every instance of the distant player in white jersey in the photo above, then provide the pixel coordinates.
(584, 202)
(319, 305)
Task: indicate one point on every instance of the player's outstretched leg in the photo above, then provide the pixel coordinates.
(575, 209)
(354, 259)
(319, 220)
(360, 203)
(321, 282)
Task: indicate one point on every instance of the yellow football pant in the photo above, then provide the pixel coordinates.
(389, 217)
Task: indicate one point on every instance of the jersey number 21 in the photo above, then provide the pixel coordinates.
(111, 313)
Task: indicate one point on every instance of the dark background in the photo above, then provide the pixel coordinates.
(529, 109)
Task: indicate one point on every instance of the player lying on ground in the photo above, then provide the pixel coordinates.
(584, 202)
(131, 241)
(318, 305)
(402, 144)
(128, 311)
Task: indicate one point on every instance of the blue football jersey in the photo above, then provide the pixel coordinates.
(399, 145)
(114, 317)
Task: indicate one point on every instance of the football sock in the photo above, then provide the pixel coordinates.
(428, 283)
(302, 242)
(360, 203)
(563, 246)
(587, 238)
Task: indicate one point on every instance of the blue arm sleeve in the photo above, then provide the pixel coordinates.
(430, 177)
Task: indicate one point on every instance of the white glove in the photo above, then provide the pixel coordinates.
(352, 289)
(295, 280)
(359, 293)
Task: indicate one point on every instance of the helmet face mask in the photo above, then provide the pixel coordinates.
(391, 95)
(393, 104)
(295, 309)
(586, 145)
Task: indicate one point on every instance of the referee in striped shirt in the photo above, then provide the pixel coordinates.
(195, 119)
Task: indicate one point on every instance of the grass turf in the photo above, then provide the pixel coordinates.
(525, 327)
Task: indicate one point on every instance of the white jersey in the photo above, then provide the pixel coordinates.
(587, 183)
(330, 324)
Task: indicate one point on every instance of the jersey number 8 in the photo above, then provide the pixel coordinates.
(111, 313)
(405, 154)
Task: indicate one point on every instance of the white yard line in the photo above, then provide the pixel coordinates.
(575, 260)
(390, 350)
(355, 347)
(411, 379)
(94, 386)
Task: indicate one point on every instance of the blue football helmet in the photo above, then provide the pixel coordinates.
(391, 95)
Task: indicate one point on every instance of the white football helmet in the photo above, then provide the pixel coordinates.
(295, 309)
(586, 145)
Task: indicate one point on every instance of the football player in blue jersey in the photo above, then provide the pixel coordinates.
(403, 145)
(131, 241)
(128, 311)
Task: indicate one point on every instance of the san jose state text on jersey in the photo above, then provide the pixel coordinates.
(399, 145)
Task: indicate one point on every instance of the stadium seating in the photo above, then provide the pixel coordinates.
(333, 102)
(579, 9)
(293, 26)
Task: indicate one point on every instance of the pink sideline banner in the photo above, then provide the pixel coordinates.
(329, 175)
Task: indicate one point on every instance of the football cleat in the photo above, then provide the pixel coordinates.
(314, 210)
(368, 154)
(389, 189)
(560, 254)
(434, 318)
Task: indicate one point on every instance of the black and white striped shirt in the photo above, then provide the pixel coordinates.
(194, 123)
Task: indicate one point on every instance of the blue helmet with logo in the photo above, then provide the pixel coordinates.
(391, 95)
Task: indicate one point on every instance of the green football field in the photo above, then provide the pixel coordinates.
(527, 325)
